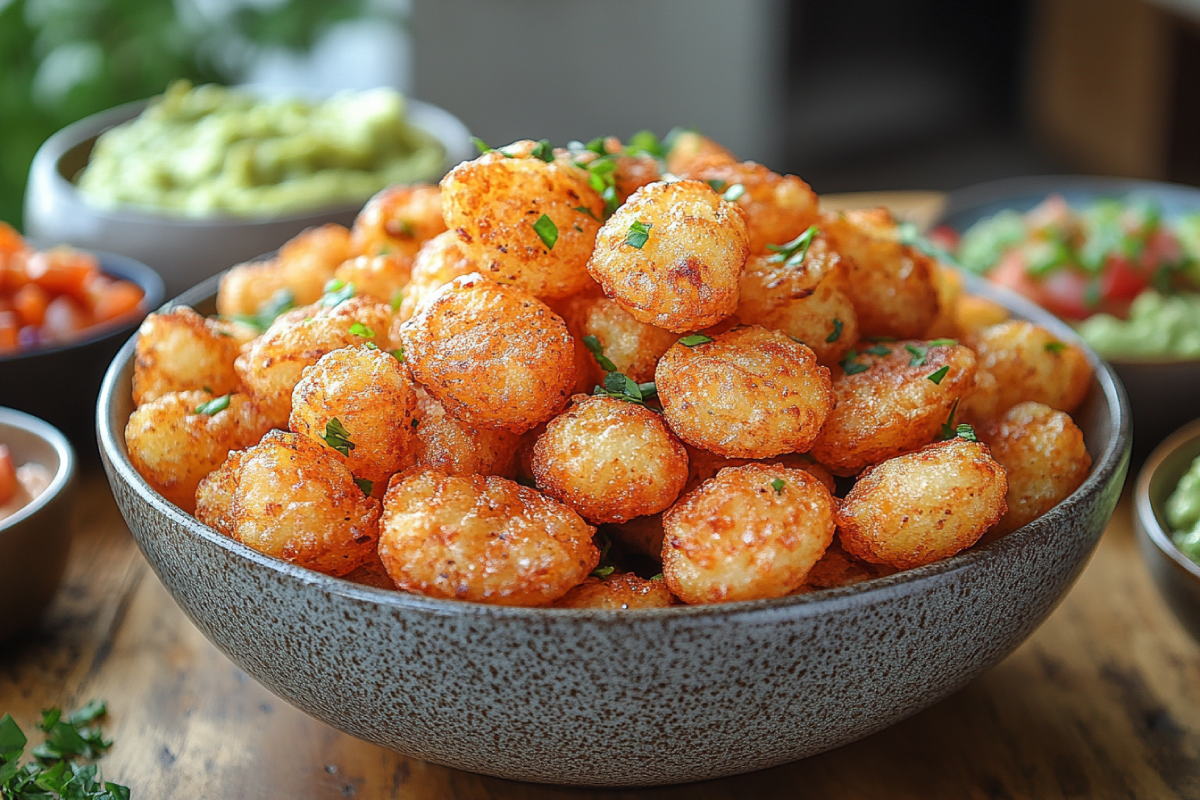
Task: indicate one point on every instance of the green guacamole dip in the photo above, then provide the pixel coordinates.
(1183, 513)
(1159, 326)
(209, 151)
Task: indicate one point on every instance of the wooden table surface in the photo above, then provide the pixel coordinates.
(1103, 701)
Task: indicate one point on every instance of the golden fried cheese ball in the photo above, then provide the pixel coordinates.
(398, 220)
(271, 367)
(633, 347)
(891, 398)
(491, 354)
(748, 393)
(1019, 362)
(439, 261)
(482, 538)
(750, 533)
(178, 438)
(778, 208)
(359, 402)
(924, 506)
(246, 288)
(382, 278)
(807, 298)
(609, 460)
(450, 445)
(688, 148)
(302, 268)
(517, 218)
(181, 350)
(321, 521)
(972, 314)
(618, 592)
(893, 286)
(672, 256)
(1044, 455)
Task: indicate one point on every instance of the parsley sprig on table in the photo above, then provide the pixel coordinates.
(54, 773)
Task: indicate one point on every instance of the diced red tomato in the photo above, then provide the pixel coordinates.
(10, 324)
(1122, 281)
(10, 240)
(30, 303)
(64, 318)
(8, 475)
(1065, 293)
(63, 270)
(12, 271)
(944, 237)
(117, 299)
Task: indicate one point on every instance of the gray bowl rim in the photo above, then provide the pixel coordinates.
(11, 418)
(50, 154)
(988, 193)
(1148, 515)
(115, 266)
(1105, 467)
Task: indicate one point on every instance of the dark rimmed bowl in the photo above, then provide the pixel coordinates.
(612, 698)
(35, 542)
(1162, 392)
(1177, 576)
(183, 250)
(59, 384)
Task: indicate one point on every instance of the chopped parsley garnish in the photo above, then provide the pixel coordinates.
(54, 773)
(837, 331)
(207, 389)
(878, 350)
(603, 572)
(585, 210)
(407, 230)
(364, 484)
(369, 346)
(336, 292)
(657, 577)
(416, 423)
(918, 355)
(337, 437)
(280, 302)
(601, 173)
(965, 431)
(852, 367)
(547, 231)
(693, 339)
(592, 343)
(948, 425)
(358, 329)
(733, 193)
(604, 566)
(937, 376)
(718, 184)
(397, 299)
(398, 353)
(213, 406)
(645, 142)
(481, 145)
(943, 343)
(622, 387)
(543, 150)
(778, 485)
(792, 253)
(639, 233)
(1055, 347)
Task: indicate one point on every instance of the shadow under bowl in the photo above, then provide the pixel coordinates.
(621, 698)
(35, 542)
(1177, 576)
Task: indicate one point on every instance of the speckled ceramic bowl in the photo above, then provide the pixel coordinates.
(610, 698)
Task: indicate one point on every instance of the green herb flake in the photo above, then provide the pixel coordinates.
(398, 354)
(649, 390)
(878, 350)
(370, 346)
(358, 329)
(280, 302)
(481, 145)
(1055, 347)
(793, 253)
(214, 406)
(693, 339)
(657, 577)
(948, 430)
(337, 437)
(965, 431)
(778, 485)
(547, 231)
(718, 184)
(943, 343)
(852, 367)
(592, 343)
(837, 331)
(55, 774)
(336, 293)
(937, 376)
(542, 150)
(416, 423)
(733, 193)
(364, 484)
(397, 300)
(207, 388)
(918, 355)
(622, 387)
(603, 572)
(585, 210)
(639, 233)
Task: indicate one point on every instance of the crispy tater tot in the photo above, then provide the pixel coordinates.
(689, 147)
(323, 521)
(398, 220)
(972, 314)
(749, 393)
(520, 218)
(808, 301)
(491, 354)
(382, 278)
(891, 398)
(949, 284)
(750, 533)
(893, 286)
(923, 506)
(176, 439)
(312, 253)
(246, 288)
(359, 402)
(1019, 362)
(672, 256)
(633, 347)
(450, 445)
(439, 261)
(618, 592)
(1043, 453)
(272, 365)
(483, 539)
(609, 460)
(778, 208)
(839, 568)
(181, 350)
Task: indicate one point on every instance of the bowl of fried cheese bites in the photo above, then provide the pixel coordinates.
(614, 464)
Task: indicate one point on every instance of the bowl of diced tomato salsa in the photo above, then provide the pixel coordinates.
(1118, 259)
(64, 313)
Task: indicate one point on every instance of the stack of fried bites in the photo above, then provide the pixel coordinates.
(606, 376)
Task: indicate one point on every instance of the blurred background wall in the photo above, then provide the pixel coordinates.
(849, 94)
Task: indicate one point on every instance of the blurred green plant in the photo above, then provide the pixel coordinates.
(61, 60)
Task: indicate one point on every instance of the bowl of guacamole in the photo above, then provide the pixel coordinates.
(204, 177)
(1167, 521)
